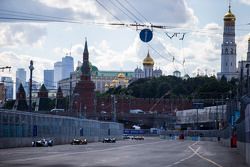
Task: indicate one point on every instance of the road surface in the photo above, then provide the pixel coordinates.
(152, 152)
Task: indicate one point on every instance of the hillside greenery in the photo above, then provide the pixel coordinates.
(201, 87)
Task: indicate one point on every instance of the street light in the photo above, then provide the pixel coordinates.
(113, 99)
(31, 67)
(85, 111)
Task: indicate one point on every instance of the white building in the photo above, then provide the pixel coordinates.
(20, 77)
(148, 69)
(57, 72)
(228, 48)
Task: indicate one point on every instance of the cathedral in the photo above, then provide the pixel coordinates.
(148, 70)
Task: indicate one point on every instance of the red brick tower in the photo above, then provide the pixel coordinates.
(84, 90)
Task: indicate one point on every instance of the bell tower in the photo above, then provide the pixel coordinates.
(228, 47)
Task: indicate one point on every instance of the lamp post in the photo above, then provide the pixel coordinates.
(31, 67)
(85, 111)
(114, 107)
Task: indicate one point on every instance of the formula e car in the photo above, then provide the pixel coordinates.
(79, 141)
(109, 140)
(137, 138)
(42, 143)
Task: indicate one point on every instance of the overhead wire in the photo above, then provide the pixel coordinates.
(136, 10)
(108, 11)
(45, 18)
(121, 10)
(138, 19)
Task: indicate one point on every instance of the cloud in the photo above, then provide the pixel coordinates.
(168, 11)
(22, 61)
(201, 52)
(16, 34)
(245, 2)
(242, 46)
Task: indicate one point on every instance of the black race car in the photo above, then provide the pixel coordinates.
(109, 140)
(42, 143)
(137, 138)
(79, 141)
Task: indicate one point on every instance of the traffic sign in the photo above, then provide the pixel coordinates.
(198, 105)
(146, 35)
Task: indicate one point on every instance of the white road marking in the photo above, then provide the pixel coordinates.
(184, 159)
(209, 160)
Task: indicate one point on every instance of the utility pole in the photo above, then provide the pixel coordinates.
(31, 67)
(247, 66)
(113, 99)
(197, 119)
(70, 94)
(241, 80)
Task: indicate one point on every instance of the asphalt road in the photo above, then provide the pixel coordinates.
(152, 152)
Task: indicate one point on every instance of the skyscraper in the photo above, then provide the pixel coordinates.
(48, 79)
(67, 66)
(57, 72)
(8, 83)
(228, 47)
(20, 77)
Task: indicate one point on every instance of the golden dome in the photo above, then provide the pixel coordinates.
(111, 85)
(229, 16)
(148, 60)
(115, 81)
(121, 76)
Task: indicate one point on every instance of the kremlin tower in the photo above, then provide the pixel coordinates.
(84, 90)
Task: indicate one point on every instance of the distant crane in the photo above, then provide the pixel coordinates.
(6, 67)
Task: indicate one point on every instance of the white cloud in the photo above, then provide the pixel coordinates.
(22, 61)
(242, 46)
(167, 12)
(245, 2)
(17, 34)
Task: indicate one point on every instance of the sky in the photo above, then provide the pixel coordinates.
(119, 47)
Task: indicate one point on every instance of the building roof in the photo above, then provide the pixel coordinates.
(148, 60)
(229, 16)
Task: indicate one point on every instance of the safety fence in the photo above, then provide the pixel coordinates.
(26, 125)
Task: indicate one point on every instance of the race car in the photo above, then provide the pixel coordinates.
(109, 140)
(42, 143)
(137, 138)
(79, 141)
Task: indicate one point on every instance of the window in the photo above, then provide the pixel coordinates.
(232, 51)
(226, 51)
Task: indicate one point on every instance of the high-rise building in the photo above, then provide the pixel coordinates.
(8, 83)
(20, 77)
(228, 48)
(48, 79)
(57, 72)
(67, 66)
